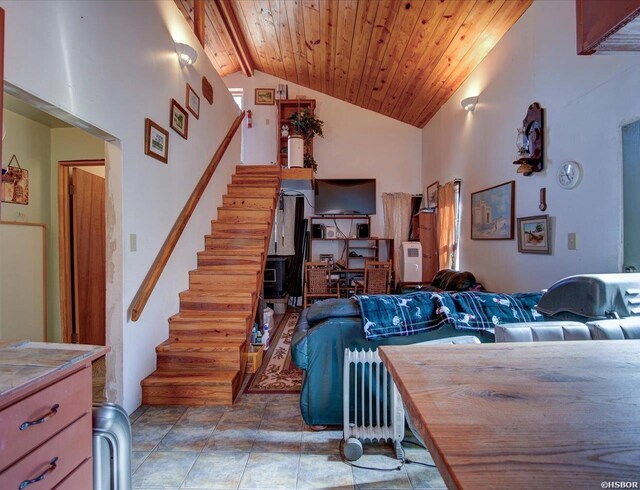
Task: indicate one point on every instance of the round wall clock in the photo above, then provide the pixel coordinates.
(569, 175)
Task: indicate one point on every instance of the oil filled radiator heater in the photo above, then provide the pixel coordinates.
(373, 409)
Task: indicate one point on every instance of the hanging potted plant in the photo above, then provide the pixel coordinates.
(306, 127)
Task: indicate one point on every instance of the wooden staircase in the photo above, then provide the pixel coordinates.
(203, 361)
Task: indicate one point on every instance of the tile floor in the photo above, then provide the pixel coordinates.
(259, 443)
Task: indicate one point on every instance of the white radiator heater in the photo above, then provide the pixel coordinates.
(368, 416)
(411, 262)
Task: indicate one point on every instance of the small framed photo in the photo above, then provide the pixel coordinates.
(193, 102)
(156, 141)
(179, 119)
(533, 235)
(432, 195)
(265, 96)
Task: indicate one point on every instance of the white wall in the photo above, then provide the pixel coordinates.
(357, 143)
(112, 64)
(587, 99)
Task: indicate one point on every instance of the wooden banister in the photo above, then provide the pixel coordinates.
(151, 279)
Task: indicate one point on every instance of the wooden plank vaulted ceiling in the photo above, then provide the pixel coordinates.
(401, 58)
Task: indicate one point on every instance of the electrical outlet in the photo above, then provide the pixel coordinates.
(133, 242)
(572, 241)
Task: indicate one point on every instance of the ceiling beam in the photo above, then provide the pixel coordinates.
(228, 16)
(198, 20)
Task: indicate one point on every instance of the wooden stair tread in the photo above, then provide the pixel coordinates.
(222, 345)
(208, 315)
(188, 377)
(224, 294)
(222, 252)
(213, 270)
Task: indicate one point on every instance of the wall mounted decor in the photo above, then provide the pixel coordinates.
(156, 141)
(207, 90)
(179, 119)
(569, 175)
(492, 212)
(530, 141)
(193, 102)
(432, 195)
(543, 199)
(533, 235)
(15, 183)
(265, 96)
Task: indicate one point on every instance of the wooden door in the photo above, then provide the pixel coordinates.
(429, 245)
(89, 258)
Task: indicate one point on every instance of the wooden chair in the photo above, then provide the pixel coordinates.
(318, 283)
(377, 278)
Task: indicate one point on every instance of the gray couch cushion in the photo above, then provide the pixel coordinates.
(332, 308)
(542, 332)
(625, 328)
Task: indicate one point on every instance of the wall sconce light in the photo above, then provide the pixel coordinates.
(469, 104)
(186, 54)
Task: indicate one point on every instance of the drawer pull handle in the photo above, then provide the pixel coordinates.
(42, 476)
(44, 418)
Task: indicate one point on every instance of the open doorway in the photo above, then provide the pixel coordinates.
(56, 156)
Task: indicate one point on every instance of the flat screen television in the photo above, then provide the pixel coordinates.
(345, 196)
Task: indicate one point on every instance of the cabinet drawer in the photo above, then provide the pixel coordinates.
(71, 447)
(73, 397)
(80, 479)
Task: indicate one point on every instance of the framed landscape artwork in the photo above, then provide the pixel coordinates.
(193, 102)
(265, 96)
(492, 212)
(432, 195)
(156, 141)
(533, 235)
(179, 119)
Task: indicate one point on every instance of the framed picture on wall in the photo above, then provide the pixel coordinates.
(533, 235)
(179, 119)
(432, 195)
(265, 96)
(492, 212)
(15, 183)
(156, 141)
(193, 102)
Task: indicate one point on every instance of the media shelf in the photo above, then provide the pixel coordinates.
(365, 248)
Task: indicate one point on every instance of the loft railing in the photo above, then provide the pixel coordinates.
(151, 279)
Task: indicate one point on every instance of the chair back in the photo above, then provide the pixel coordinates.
(377, 277)
(542, 331)
(318, 277)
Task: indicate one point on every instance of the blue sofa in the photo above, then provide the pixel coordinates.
(323, 332)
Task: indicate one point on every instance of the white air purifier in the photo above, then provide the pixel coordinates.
(296, 151)
(411, 262)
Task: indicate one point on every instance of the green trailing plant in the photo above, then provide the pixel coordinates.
(308, 127)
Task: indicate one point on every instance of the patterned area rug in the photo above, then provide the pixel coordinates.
(278, 374)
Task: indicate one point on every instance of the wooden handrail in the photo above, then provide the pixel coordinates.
(151, 279)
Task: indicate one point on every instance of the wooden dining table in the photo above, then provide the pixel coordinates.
(546, 415)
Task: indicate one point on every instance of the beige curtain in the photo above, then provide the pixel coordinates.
(284, 228)
(446, 226)
(397, 216)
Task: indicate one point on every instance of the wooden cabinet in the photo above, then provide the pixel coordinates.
(45, 415)
(285, 109)
(429, 243)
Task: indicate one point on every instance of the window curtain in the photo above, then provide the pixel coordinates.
(283, 240)
(448, 225)
(397, 218)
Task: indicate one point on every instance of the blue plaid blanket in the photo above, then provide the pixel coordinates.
(472, 310)
(387, 315)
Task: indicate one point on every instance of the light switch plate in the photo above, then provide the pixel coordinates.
(572, 241)
(133, 242)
